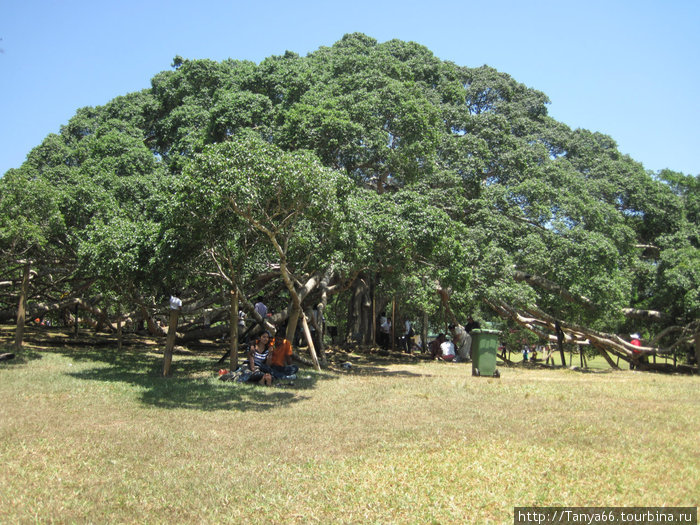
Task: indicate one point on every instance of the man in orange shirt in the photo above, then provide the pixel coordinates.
(281, 360)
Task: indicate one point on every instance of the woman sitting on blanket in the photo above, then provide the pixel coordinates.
(259, 360)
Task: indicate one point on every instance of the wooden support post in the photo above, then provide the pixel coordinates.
(604, 353)
(170, 342)
(307, 334)
(22, 309)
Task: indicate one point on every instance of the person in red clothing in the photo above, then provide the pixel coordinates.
(281, 360)
(635, 339)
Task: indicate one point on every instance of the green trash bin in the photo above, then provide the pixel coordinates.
(484, 350)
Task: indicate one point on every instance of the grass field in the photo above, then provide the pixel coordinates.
(96, 436)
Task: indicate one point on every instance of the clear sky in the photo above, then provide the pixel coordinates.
(626, 68)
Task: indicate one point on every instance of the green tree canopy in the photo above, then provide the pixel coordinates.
(374, 165)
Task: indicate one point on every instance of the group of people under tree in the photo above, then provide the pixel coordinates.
(269, 356)
(458, 347)
(384, 334)
(455, 348)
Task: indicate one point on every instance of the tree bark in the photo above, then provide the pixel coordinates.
(548, 285)
(153, 328)
(445, 301)
(233, 320)
(374, 314)
(292, 322)
(21, 308)
(120, 335)
(309, 340)
(645, 315)
(170, 343)
(234, 329)
(295, 297)
(424, 333)
(77, 324)
(359, 325)
(393, 322)
(321, 325)
(607, 357)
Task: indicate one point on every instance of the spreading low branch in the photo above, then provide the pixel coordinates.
(550, 286)
(543, 325)
(645, 315)
(546, 284)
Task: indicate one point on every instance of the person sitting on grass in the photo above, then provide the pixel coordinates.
(281, 366)
(447, 350)
(435, 351)
(258, 360)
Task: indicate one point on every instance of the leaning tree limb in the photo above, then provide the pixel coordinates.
(555, 288)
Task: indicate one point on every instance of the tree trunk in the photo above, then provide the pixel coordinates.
(393, 323)
(353, 323)
(318, 325)
(120, 334)
(445, 302)
(22, 308)
(153, 328)
(292, 322)
(697, 346)
(560, 342)
(233, 320)
(309, 340)
(359, 324)
(321, 328)
(170, 343)
(366, 314)
(296, 302)
(76, 327)
(381, 181)
(372, 293)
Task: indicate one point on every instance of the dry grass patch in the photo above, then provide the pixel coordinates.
(92, 436)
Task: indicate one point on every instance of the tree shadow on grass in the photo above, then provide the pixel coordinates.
(365, 370)
(20, 358)
(193, 384)
(374, 362)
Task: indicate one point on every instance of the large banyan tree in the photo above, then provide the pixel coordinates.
(363, 177)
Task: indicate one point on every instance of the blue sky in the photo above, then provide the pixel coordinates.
(629, 69)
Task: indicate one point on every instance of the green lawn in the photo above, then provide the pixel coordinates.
(92, 436)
